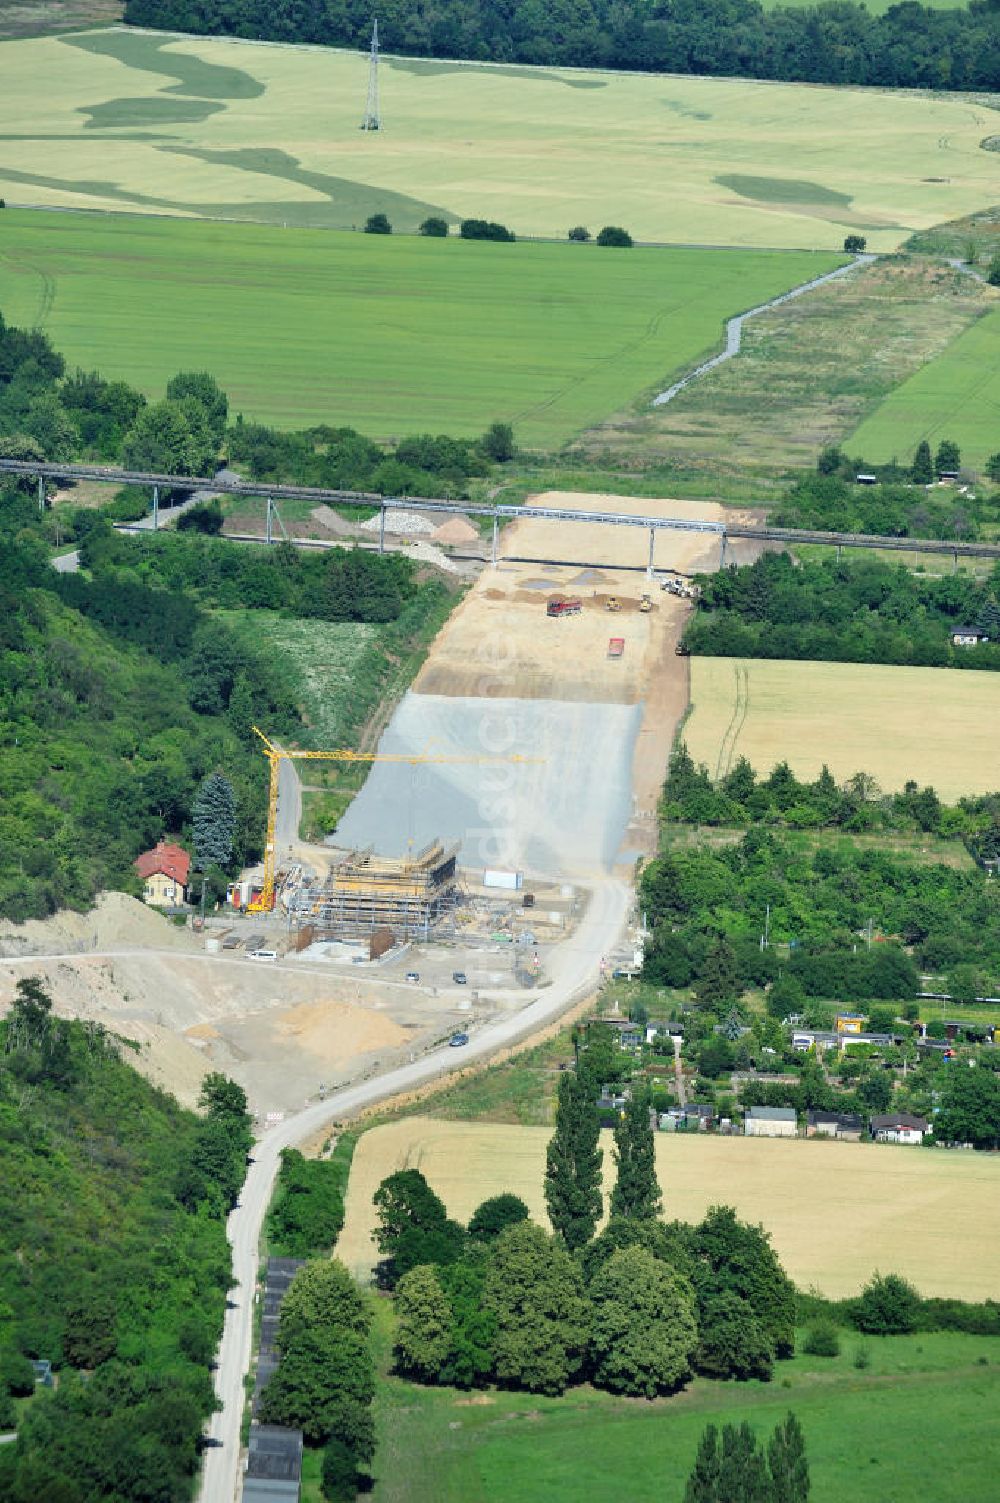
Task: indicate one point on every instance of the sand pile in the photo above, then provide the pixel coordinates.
(456, 531)
(116, 920)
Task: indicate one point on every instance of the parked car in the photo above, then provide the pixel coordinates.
(262, 955)
(458, 1039)
(413, 976)
(459, 978)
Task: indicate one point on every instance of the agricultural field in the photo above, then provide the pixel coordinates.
(224, 128)
(935, 725)
(797, 1189)
(956, 396)
(808, 373)
(391, 335)
(907, 1427)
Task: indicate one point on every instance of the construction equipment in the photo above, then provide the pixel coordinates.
(616, 647)
(612, 603)
(646, 604)
(263, 902)
(564, 607)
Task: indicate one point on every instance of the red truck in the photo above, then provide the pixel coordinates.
(564, 607)
(616, 647)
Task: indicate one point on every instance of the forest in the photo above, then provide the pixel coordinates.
(848, 923)
(858, 610)
(114, 1265)
(911, 46)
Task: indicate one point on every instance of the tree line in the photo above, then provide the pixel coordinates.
(740, 798)
(113, 1264)
(857, 611)
(899, 504)
(910, 46)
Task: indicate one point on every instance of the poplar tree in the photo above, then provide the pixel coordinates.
(636, 1193)
(573, 1165)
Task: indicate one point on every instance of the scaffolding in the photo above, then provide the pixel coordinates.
(364, 892)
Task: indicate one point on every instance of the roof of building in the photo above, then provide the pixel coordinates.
(969, 631)
(165, 858)
(898, 1119)
(699, 1109)
(274, 1452)
(850, 1121)
(771, 1113)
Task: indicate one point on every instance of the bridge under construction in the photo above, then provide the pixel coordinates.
(364, 892)
(724, 531)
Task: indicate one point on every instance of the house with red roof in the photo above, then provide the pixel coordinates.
(164, 871)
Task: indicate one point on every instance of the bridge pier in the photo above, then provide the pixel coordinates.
(267, 522)
(722, 550)
(954, 562)
(840, 552)
(156, 507)
(496, 538)
(381, 529)
(652, 549)
(41, 493)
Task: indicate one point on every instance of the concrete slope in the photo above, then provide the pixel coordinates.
(564, 814)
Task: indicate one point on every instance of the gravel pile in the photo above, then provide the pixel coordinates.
(406, 523)
(430, 554)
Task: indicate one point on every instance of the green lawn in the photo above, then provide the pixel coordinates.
(956, 395)
(916, 1424)
(391, 335)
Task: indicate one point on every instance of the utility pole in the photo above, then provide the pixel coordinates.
(372, 117)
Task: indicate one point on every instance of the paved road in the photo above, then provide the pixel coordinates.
(576, 973)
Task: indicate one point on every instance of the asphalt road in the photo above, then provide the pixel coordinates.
(575, 973)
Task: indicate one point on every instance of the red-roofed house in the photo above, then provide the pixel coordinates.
(164, 871)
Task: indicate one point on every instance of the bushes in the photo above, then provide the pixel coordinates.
(613, 234)
(377, 224)
(434, 227)
(888, 1306)
(484, 229)
(307, 1212)
(822, 1340)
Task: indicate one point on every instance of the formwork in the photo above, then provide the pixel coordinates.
(408, 895)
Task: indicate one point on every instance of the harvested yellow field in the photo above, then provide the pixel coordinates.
(935, 725)
(836, 1211)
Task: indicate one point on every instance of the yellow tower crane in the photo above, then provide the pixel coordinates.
(264, 902)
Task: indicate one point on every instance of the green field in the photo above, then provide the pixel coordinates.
(915, 1425)
(263, 131)
(956, 395)
(389, 334)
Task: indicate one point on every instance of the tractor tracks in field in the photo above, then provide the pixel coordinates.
(47, 291)
(741, 709)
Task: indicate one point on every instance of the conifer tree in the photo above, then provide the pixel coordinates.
(922, 469)
(786, 1454)
(636, 1193)
(213, 821)
(703, 1483)
(573, 1165)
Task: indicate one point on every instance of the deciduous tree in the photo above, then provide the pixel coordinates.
(535, 1290)
(643, 1326)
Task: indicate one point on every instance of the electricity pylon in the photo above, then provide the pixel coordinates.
(372, 118)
